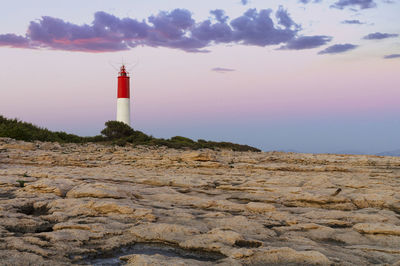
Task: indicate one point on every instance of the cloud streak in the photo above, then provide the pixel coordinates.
(342, 4)
(306, 42)
(13, 40)
(222, 70)
(338, 48)
(391, 56)
(354, 21)
(309, 1)
(175, 29)
(361, 4)
(379, 36)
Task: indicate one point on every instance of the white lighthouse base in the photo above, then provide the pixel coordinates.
(124, 110)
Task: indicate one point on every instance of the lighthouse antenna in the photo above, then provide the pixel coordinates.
(132, 66)
(128, 66)
(112, 65)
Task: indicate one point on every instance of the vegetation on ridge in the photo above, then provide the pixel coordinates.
(115, 132)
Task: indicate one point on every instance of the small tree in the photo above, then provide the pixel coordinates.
(117, 130)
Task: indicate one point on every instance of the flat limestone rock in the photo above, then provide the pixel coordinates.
(98, 190)
(244, 226)
(377, 228)
(12, 257)
(160, 260)
(259, 207)
(198, 156)
(18, 145)
(92, 204)
(281, 256)
(214, 240)
(45, 185)
(158, 232)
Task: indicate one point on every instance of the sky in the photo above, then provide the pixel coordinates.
(316, 76)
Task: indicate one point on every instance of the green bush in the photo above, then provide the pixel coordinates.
(97, 138)
(13, 128)
(120, 142)
(21, 183)
(138, 137)
(116, 133)
(116, 130)
(182, 139)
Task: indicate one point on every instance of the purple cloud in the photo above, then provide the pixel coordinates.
(108, 33)
(244, 2)
(222, 70)
(209, 32)
(306, 42)
(338, 48)
(219, 15)
(257, 28)
(13, 40)
(176, 29)
(284, 18)
(341, 4)
(172, 25)
(355, 21)
(362, 4)
(391, 56)
(309, 1)
(379, 36)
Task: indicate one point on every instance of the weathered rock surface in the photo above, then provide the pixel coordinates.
(93, 204)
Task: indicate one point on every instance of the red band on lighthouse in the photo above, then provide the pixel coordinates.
(123, 84)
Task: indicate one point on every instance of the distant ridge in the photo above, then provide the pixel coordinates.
(289, 150)
(389, 153)
(351, 152)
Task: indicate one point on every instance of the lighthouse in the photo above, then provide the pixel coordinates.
(123, 101)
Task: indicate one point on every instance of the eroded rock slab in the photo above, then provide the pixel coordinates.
(88, 204)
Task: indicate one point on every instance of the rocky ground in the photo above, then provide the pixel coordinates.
(103, 205)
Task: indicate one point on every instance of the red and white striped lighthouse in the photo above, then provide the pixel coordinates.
(123, 102)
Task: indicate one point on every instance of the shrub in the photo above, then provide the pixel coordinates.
(182, 139)
(21, 183)
(139, 137)
(96, 138)
(16, 129)
(120, 142)
(116, 130)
